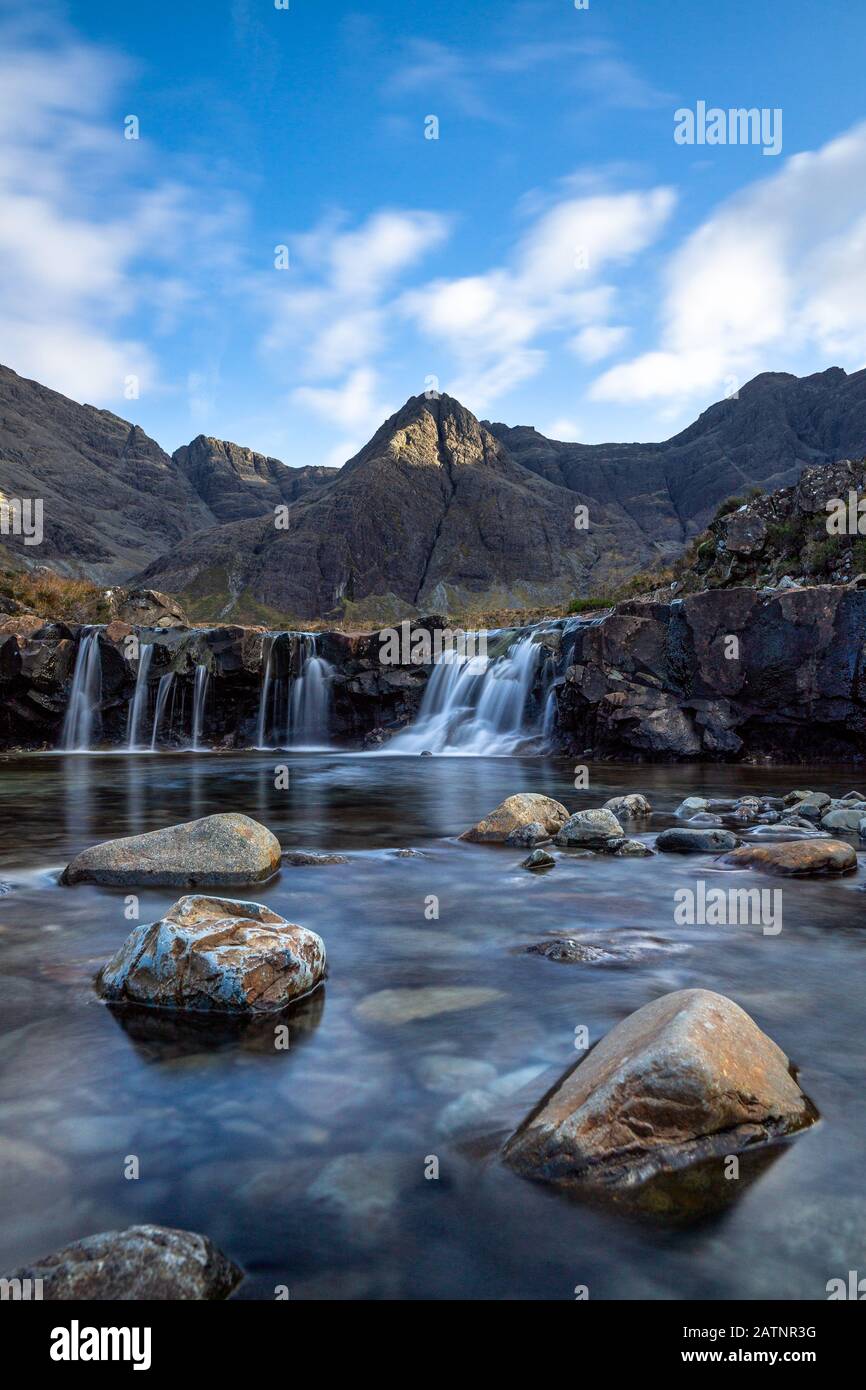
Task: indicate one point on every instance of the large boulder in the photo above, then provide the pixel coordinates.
(140, 1263)
(687, 1077)
(683, 839)
(590, 830)
(844, 818)
(215, 954)
(514, 812)
(227, 850)
(788, 858)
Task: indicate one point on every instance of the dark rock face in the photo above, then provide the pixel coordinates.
(236, 483)
(112, 498)
(665, 682)
(143, 1262)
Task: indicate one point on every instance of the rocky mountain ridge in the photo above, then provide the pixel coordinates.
(439, 511)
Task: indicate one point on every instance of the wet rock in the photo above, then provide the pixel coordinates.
(538, 859)
(688, 1076)
(631, 807)
(631, 849)
(845, 819)
(141, 1263)
(300, 858)
(811, 858)
(228, 850)
(590, 829)
(525, 836)
(567, 950)
(408, 854)
(215, 954)
(525, 808)
(685, 840)
(691, 806)
(704, 818)
(393, 1007)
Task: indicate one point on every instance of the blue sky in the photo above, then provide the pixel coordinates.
(554, 258)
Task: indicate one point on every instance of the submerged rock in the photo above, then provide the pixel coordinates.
(686, 1077)
(812, 857)
(590, 829)
(218, 851)
(538, 859)
(696, 840)
(569, 951)
(215, 954)
(140, 1263)
(300, 858)
(525, 808)
(630, 807)
(396, 1006)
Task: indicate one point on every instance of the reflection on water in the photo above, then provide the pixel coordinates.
(308, 1164)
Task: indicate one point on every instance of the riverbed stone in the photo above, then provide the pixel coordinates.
(140, 1263)
(687, 1077)
(682, 839)
(537, 860)
(590, 829)
(692, 805)
(807, 858)
(228, 850)
(633, 806)
(392, 1007)
(525, 836)
(311, 858)
(843, 818)
(524, 808)
(632, 849)
(215, 954)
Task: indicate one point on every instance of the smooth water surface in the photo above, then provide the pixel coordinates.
(307, 1165)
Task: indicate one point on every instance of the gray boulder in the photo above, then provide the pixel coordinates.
(686, 840)
(215, 954)
(590, 830)
(514, 813)
(525, 836)
(227, 850)
(843, 818)
(633, 806)
(538, 859)
(687, 1077)
(140, 1263)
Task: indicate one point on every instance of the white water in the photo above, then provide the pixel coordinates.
(475, 705)
(199, 697)
(265, 695)
(85, 696)
(310, 705)
(162, 694)
(139, 700)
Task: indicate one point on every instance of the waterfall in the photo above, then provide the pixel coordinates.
(475, 704)
(199, 697)
(139, 699)
(269, 640)
(309, 723)
(162, 694)
(86, 694)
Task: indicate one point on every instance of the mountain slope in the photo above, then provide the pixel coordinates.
(234, 482)
(112, 499)
(433, 512)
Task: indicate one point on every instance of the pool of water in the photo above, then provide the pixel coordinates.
(309, 1165)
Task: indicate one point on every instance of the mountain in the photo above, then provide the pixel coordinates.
(432, 514)
(776, 426)
(112, 500)
(438, 512)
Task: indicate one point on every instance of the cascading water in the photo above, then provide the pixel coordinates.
(86, 694)
(199, 697)
(310, 704)
(475, 704)
(139, 700)
(267, 653)
(162, 694)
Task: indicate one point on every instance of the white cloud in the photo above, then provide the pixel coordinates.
(89, 232)
(563, 429)
(492, 323)
(775, 278)
(598, 340)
